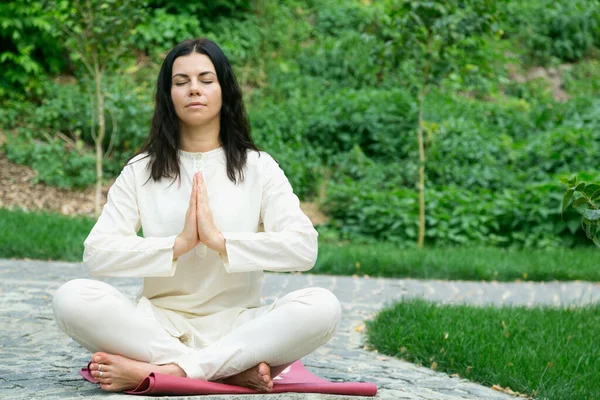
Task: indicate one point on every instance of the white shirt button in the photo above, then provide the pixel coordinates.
(198, 164)
(201, 250)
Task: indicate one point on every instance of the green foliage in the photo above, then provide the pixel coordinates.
(208, 9)
(96, 33)
(329, 87)
(545, 352)
(584, 197)
(128, 109)
(554, 31)
(28, 49)
(524, 217)
(438, 37)
(583, 79)
(56, 162)
(163, 31)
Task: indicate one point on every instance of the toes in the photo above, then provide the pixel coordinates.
(96, 374)
(101, 358)
(263, 368)
(108, 387)
(96, 366)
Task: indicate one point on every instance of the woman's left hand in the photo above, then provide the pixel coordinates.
(207, 231)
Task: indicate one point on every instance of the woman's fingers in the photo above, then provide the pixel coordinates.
(200, 196)
(193, 195)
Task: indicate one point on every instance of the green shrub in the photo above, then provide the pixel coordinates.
(551, 30)
(28, 50)
(163, 30)
(583, 79)
(56, 162)
(528, 216)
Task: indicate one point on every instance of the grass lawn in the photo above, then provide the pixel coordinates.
(460, 263)
(43, 236)
(52, 236)
(544, 352)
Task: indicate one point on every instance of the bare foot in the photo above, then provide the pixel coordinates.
(121, 373)
(258, 378)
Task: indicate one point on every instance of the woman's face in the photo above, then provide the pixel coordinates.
(195, 89)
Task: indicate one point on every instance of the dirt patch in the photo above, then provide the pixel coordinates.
(18, 191)
(313, 212)
(552, 75)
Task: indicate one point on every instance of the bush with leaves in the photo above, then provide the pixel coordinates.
(554, 31)
(58, 162)
(527, 217)
(28, 50)
(584, 197)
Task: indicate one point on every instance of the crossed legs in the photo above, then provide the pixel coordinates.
(127, 344)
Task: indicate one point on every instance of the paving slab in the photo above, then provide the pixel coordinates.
(37, 361)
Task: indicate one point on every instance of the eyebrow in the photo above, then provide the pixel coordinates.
(200, 74)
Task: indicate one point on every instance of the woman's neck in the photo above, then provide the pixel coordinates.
(195, 139)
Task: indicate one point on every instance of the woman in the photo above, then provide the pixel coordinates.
(200, 189)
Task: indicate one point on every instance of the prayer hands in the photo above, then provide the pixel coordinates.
(207, 231)
(199, 223)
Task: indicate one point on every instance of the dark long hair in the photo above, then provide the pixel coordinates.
(163, 141)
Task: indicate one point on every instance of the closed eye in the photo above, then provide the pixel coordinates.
(183, 83)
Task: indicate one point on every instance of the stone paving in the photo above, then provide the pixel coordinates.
(37, 361)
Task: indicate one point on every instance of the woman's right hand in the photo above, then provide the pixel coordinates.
(188, 238)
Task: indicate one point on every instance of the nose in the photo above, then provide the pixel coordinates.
(194, 87)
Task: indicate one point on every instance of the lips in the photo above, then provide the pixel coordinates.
(196, 105)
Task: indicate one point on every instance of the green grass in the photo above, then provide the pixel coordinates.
(43, 236)
(545, 352)
(460, 263)
(57, 237)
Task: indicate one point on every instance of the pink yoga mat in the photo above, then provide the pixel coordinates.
(296, 378)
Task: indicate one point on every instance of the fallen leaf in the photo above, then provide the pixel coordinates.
(506, 390)
(433, 365)
(382, 358)
(360, 328)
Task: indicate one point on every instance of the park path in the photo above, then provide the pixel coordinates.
(38, 362)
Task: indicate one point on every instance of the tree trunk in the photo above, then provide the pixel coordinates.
(421, 173)
(99, 140)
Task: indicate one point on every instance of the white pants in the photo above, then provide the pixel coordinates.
(100, 318)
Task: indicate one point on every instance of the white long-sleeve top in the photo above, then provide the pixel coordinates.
(201, 282)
